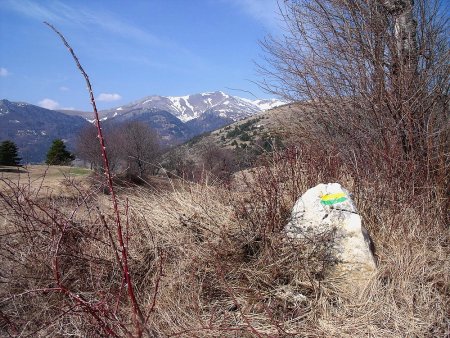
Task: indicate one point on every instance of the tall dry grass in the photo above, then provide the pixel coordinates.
(209, 260)
(201, 260)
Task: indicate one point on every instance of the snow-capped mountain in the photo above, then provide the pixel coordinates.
(179, 118)
(267, 104)
(175, 118)
(190, 107)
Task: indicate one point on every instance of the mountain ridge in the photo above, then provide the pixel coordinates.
(33, 128)
(189, 107)
(192, 114)
(176, 119)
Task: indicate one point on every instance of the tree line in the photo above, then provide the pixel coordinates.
(56, 155)
(135, 152)
(132, 148)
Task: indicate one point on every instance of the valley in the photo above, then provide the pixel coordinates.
(175, 119)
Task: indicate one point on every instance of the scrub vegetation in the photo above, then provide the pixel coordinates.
(207, 257)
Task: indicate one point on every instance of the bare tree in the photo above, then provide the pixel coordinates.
(88, 149)
(139, 147)
(372, 76)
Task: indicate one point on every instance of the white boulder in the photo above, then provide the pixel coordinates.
(329, 207)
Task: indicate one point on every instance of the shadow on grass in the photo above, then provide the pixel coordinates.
(19, 170)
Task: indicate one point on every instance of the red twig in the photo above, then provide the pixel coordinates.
(88, 308)
(139, 319)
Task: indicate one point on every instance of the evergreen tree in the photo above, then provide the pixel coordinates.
(8, 154)
(58, 155)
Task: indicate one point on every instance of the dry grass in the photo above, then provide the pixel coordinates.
(211, 261)
(47, 179)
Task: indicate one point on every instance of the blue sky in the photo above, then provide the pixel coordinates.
(131, 49)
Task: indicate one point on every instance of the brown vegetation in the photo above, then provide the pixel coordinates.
(202, 260)
(213, 261)
(373, 80)
(132, 148)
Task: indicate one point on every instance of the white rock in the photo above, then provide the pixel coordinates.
(329, 207)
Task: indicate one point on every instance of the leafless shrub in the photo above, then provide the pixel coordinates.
(202, 260)
(88, 148)
(47, 245)
(208, 261)
(218, 162)
(139, 147)
(133, 148)
(372, 78)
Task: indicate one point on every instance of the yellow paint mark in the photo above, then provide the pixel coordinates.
(329, 197)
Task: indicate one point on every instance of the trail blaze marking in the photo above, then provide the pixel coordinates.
(330, 199)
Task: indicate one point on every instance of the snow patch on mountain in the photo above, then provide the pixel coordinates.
(190, 107)
(269, 103)
(266, 104)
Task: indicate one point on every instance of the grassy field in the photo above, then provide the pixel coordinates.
(39, 170)
(46, 179)
(211, 260)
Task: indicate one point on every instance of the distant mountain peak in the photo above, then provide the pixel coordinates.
(175, 118)
(193, 106)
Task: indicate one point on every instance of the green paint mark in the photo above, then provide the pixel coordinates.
(331, 199)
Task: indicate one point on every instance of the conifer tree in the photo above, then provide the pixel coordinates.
(58, 155)
(8, 154)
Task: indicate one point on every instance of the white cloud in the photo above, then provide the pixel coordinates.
(64, 88)
(48, 104)
(4, 72)
(60, 12)
(108, 97)
(30, 9)
(264, 11)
